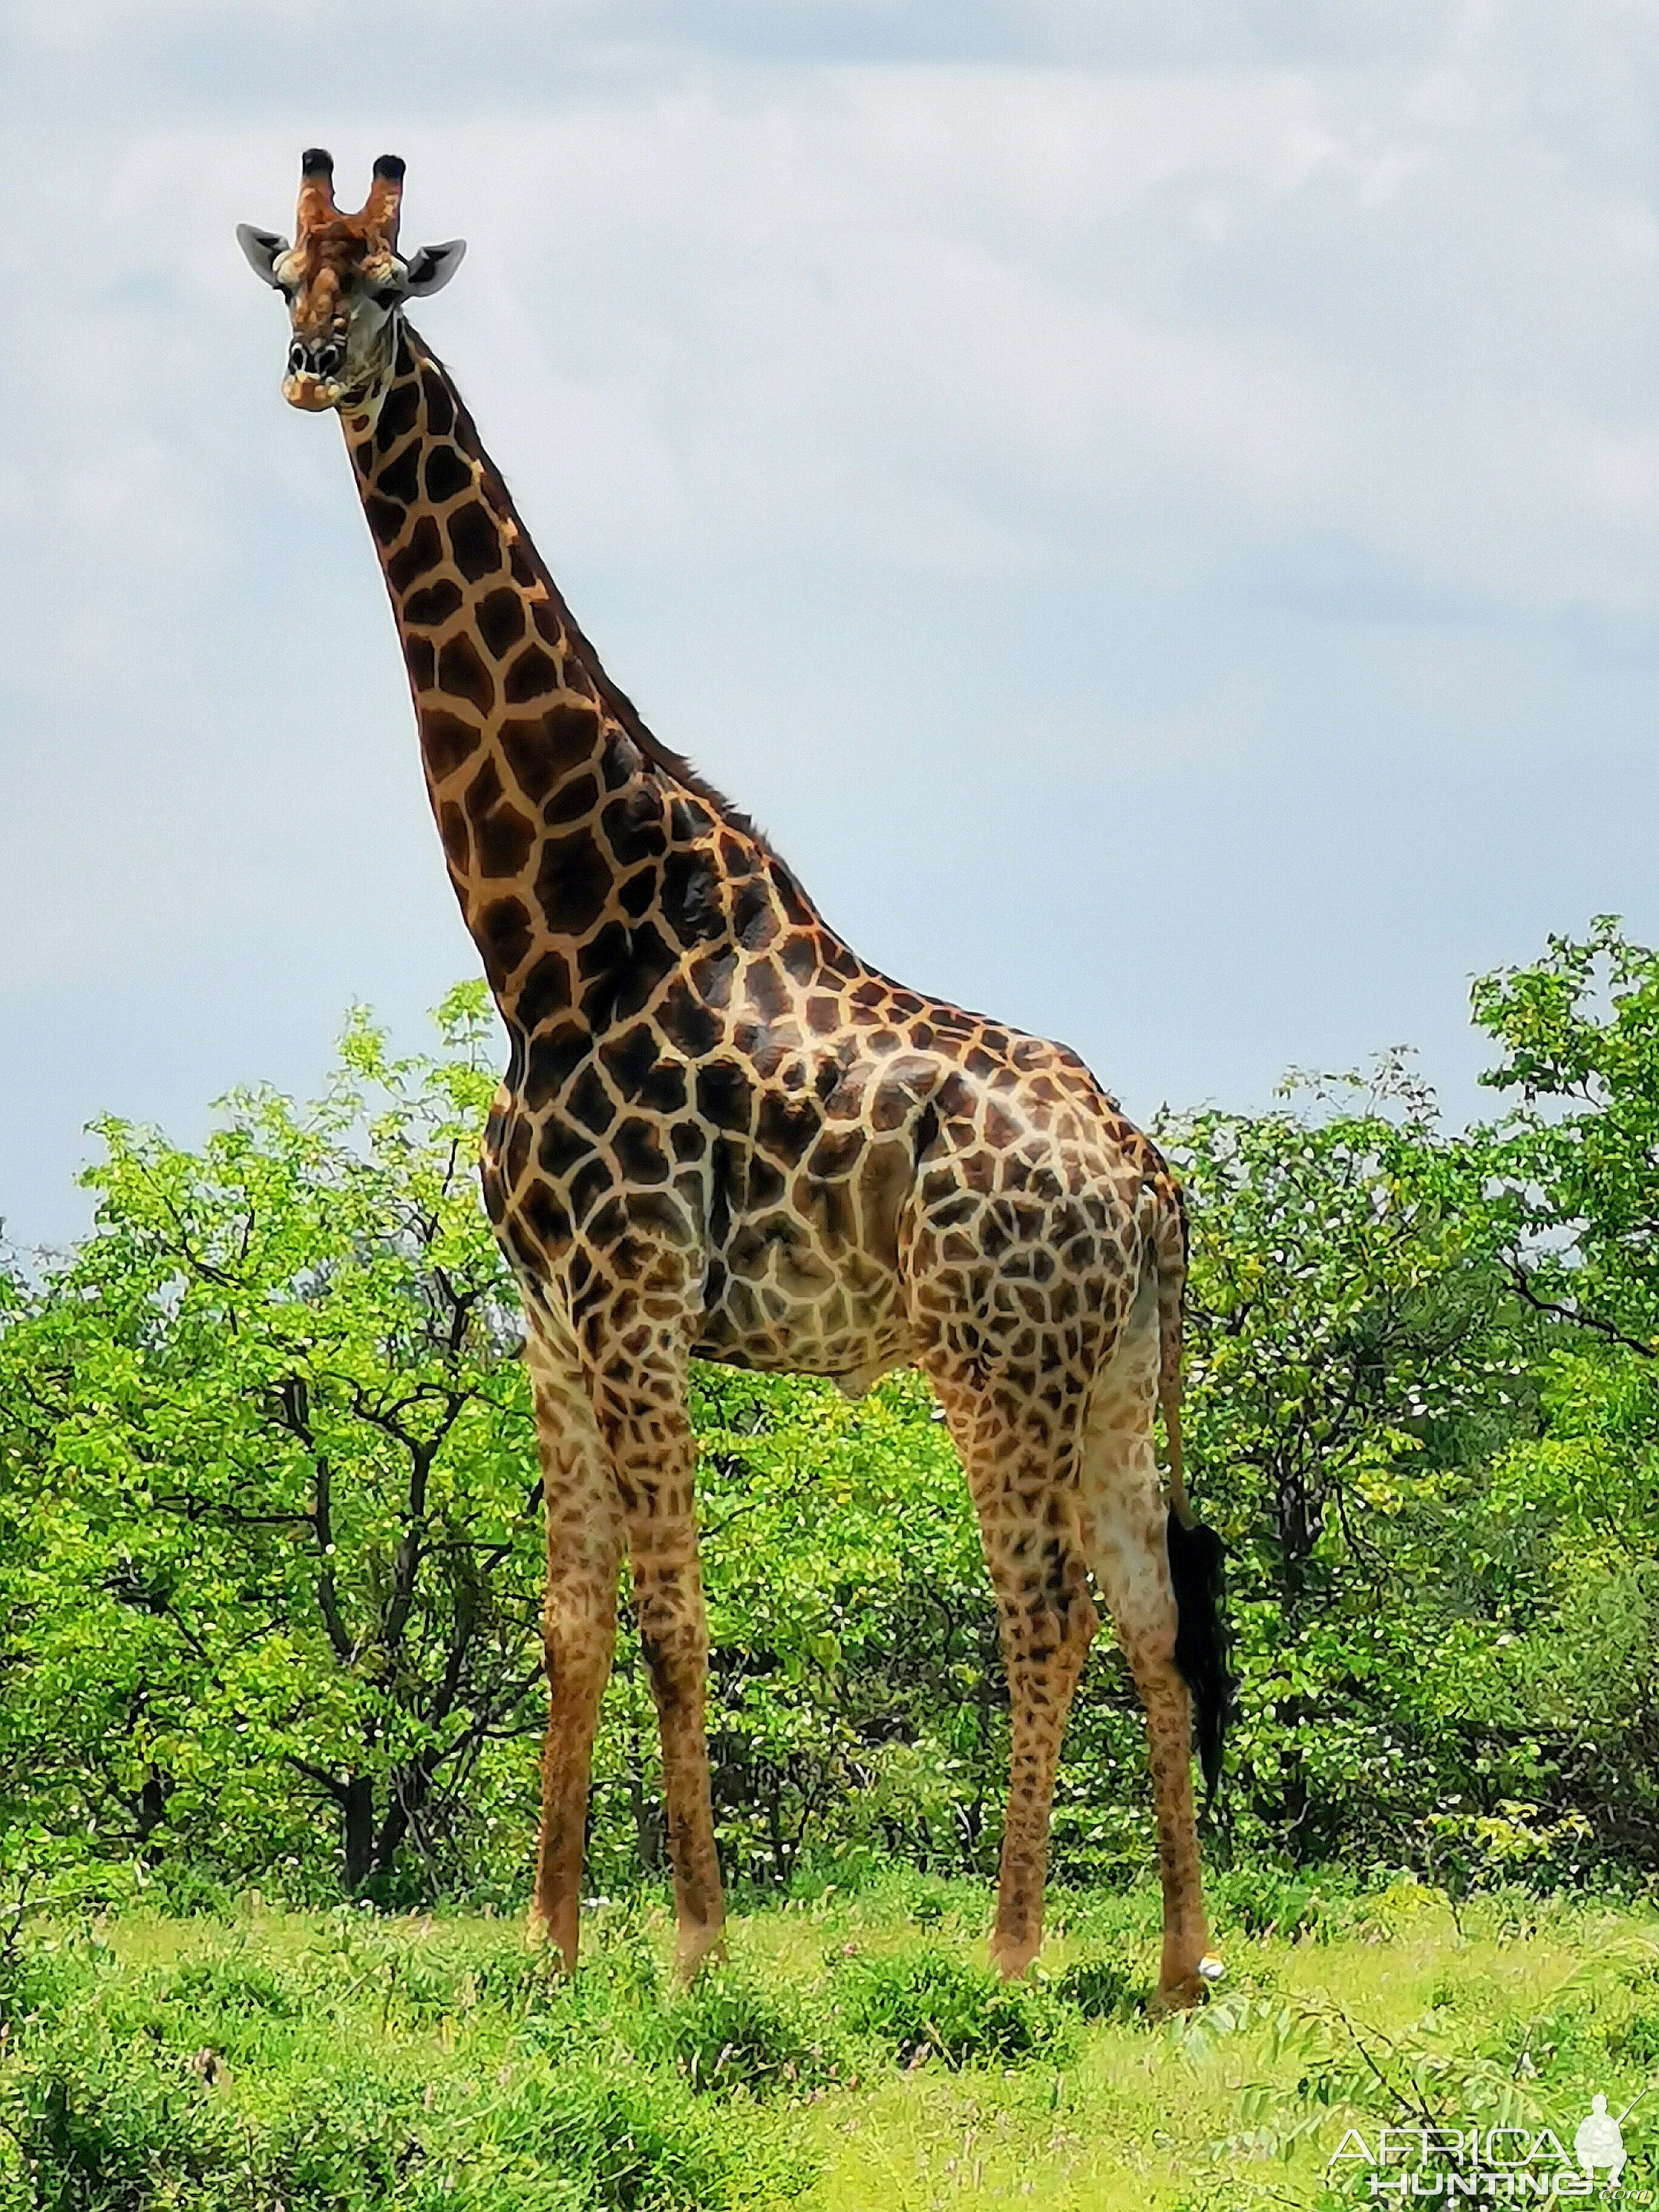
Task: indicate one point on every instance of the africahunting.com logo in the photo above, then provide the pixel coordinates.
(1523, 2165)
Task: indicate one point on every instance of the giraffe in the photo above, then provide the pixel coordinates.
(722, 1135)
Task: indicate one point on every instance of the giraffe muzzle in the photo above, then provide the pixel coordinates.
(313, 381)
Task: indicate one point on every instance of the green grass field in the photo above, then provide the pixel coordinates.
(854, 2054)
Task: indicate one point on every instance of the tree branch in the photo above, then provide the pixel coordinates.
(1523, 1284)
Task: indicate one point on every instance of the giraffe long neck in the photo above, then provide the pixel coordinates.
(588, 860)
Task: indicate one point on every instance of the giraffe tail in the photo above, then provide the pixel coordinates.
(1197, 1555)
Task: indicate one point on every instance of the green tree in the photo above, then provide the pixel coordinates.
(1352, 1363)
(276, 1439)
(1574, 1169)
(1572, 1178)
(1344, 1314)
(270, 1560)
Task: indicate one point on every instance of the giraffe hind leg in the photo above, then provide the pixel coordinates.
(1022, 1472)
(1131, 1539)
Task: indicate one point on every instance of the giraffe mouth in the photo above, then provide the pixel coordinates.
(312, 395)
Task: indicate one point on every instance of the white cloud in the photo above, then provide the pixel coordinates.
(968, 430)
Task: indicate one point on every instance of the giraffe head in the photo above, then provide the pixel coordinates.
(345, 284)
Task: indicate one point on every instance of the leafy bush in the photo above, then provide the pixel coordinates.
(101, 2129)
(628, 2137)
(922, 2004)
(225, 2078)
(729, 2034)
(240, 1987)
(1263, 1901)
(352, 2142)
(1638, 2042)
(1100, 1989)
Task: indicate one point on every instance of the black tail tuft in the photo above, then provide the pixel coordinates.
(1198, 1570)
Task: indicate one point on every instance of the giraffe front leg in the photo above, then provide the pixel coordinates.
(655, 1456)
(584, 1555)
(1023, 1478)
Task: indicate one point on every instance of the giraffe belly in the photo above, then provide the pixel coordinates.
(780, 1274)
(774, 1305)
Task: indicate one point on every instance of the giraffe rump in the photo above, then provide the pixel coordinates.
(1197, 1572)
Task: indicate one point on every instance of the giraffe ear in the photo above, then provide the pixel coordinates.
(262, 248)
(431, 269)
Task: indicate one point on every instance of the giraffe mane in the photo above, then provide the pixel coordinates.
(615, 701)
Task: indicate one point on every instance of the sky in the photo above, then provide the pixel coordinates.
(1156, 510)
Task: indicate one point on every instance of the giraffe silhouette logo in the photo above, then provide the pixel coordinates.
(1599, 2140)
(1476, 2160)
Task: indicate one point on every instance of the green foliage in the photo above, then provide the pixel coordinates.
(934, 2003)
(1344, 1318)
(318, 2080)
(1576, 1170)
(855, 1688)
(629, 2143)
(96, 2126)
(1353, 1355)
(1572, 1178)
(269, 1471)
(731, 2035)
(1099, 1988)
(270, 1559)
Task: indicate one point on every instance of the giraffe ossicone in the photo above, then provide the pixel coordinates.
(722, 1135)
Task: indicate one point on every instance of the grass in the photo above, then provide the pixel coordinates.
(855, 2056)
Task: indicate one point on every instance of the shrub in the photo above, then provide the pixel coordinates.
(240, 1987)
(1100, 1989)
(925, 2003)
(633, 2141)
(102, 2129)
(727, 2034)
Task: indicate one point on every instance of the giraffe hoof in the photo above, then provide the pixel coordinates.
(694, 1953)
(542, 1935)
(1192, 1989)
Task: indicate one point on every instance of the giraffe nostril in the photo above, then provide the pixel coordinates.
(296, 358)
